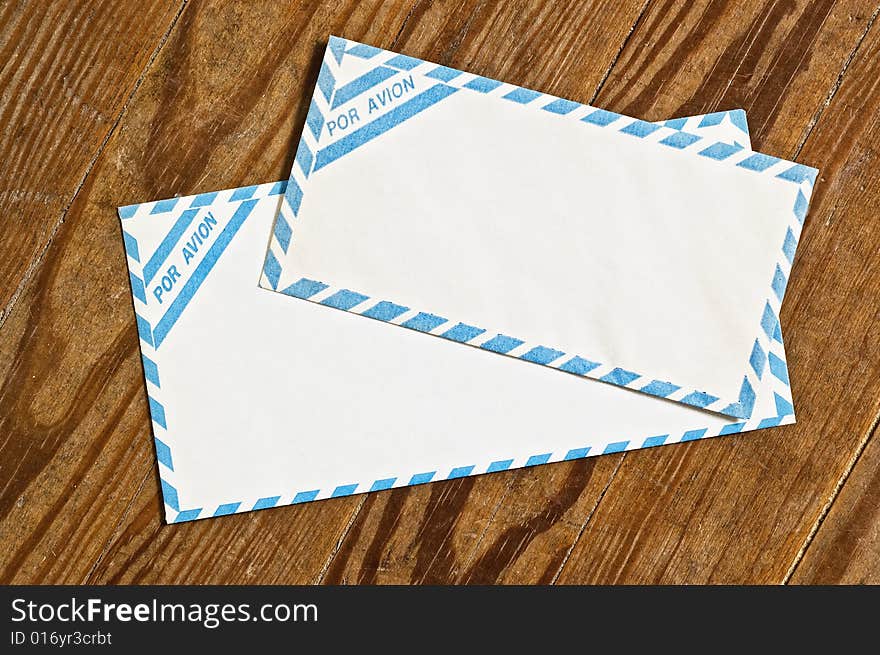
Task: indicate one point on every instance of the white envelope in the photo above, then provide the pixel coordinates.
(258, 400)
(539, 228)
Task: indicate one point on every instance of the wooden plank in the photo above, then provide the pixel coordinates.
(66, 71)
(431, 534)
(416, 534)
(740, 509)
(846, 547)
(777, 60)
(80, 501)
(563, 48)
(76, 464)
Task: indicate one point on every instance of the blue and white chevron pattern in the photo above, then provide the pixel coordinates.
(315, 141)
(142, 267)
(768, 359)
(696, 125)
(149, 358)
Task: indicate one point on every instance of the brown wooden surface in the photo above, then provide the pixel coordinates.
(66, 71)
(110, 103)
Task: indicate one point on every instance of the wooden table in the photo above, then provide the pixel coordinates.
(113, 102)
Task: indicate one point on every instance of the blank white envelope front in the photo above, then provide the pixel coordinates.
(258, 401)
(539, 228)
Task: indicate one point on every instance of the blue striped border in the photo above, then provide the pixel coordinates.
(458, 332)
(744, 404)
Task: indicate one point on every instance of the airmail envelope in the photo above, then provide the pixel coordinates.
(258, 400)
(516, 222)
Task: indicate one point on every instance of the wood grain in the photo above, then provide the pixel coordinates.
(531, 528)
(213, 112)
(740, 510)
(221, 106)
(66, 71)
(846, 548)
(778, 60)
(441, 503)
